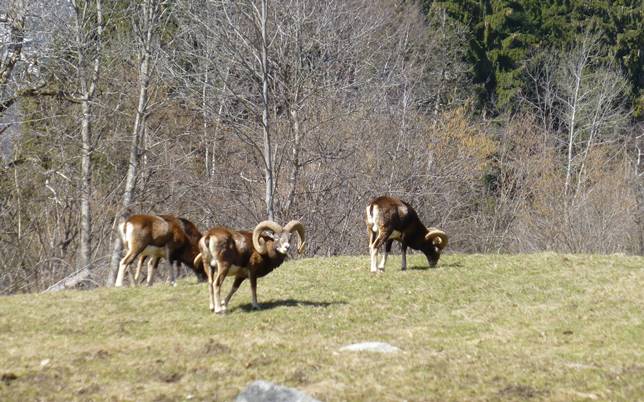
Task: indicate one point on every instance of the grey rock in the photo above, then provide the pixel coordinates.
(380, 347)
(264, 391)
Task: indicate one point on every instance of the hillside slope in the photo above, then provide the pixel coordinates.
(478, 327)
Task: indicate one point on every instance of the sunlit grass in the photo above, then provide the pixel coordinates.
(478, 327)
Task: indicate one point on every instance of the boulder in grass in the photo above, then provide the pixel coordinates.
(264, 391)
(380, 347)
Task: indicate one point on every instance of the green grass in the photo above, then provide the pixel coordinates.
(478, 327)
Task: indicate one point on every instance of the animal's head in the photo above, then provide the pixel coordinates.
(435, 243)
(270, 235)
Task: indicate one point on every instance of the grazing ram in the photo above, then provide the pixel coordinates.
(162, 236)
(390, 219)
(243, 254)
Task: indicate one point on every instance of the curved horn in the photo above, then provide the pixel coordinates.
(438, 237)
(197, 261)
(260, 247)
(299, 228)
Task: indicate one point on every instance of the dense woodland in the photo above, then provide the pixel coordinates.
(515, 126)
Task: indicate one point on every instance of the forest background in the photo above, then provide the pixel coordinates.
(515, 126)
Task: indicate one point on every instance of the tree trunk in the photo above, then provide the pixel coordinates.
(13, 50)
(149, 12)
(88, 81)
(639, 192)
(268, 152)
(86, 188)
(209, 165)
(571, 135)
(297, 138)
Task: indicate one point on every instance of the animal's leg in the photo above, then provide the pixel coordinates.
(153, 262)
(174, 270)
(381, 267)
(253, 291)
(372, 235)
(137, 275)
(171, 267)
(222, 272)
(123, 265)
(209, 274)
(375, 246)
(238, 281)
(372, 252)
(403, 252)
(152, 268)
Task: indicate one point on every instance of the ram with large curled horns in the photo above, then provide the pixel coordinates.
(390, 219)
(244, 255)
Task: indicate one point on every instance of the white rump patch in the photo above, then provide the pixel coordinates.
(372, 218)
(129, 232)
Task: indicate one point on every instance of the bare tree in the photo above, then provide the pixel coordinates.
(88, 20)
(147, 15)
(579, 102)
(591, 99)
(12, 48)
(638, 178)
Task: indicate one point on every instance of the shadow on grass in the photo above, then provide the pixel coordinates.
(286, 303)
(455, 264)
(439, 266)
(420, 268)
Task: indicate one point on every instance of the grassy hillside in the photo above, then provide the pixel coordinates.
(539, 327)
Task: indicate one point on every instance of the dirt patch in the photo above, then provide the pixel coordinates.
(8, 378)
(171, 377)
(101, 354)
(213, 347)
(258, 362)
(636, 369)
(91, 389)
(520, 391)
(163, 398)
(299, 376)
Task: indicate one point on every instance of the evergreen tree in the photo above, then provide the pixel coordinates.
(503, 33)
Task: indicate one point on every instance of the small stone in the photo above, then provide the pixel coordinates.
(380, 347)
(264, 391)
